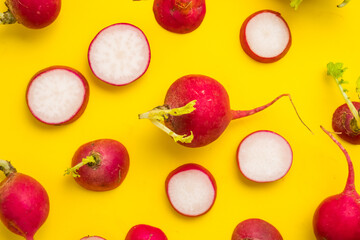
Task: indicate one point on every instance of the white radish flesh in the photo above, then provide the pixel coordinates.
(264, 156)
(57, 95)
(93, 238)
(119, 54)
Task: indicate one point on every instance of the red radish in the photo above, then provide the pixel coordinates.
(92, 238)
(256, 229)
(24, 203)
(346, 119)
(197, 111)
(145, 232)
(338, 216)
(31, 13)
(179, 16)
(57, 95)
(119, 54)
(264, 156)
(265, 36)
(191, 189)
(100, 165)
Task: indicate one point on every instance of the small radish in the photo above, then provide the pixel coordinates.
(197, 111)
(256, 229)
(119, 54)
(57, 95)
(265, 36)
(264, 156)
(179, 16)
(191, 190)
(92, 238)
(31, 13)
(24, 203)
(346, 119)
(338, 216)
(145, 232)
(100, 165)
(295, 3)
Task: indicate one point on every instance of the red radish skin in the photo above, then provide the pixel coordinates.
(338, 217)
(93, 238)
(57, 95)
(119, 54)
(191, 190)
(210, 116)
(108, 169)
(265, 36)
(179, 16)
(343, 121)
(145, 232)
(24, 203)
(264, 156)
(33, 14)
(256, 229)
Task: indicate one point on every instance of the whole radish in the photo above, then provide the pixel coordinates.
(338, 216)
(145, 232)
(100, 165)
(256, 229)
(24, 203)
(295, 3)
(31, 13)
(346, 119)
(179, 16)
(197, 110)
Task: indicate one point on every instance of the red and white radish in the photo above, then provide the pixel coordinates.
(346, 119)
(145, 232)
(197, 111)
(256, 229)
(265, 36)
(264, 156)
(100, 165)
(119, 54)
(179, 16)
(191, 190)
(24, 203)
(338, 217)
(93, 238)
(57, 95)
(31, 13)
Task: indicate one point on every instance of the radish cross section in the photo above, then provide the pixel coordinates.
(119, 54)
(264, 156)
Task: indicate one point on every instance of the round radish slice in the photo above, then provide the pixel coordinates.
(119, 54)
(93, 238)
(191, 189)
(265, 36)
(57, 95)
(264, 156)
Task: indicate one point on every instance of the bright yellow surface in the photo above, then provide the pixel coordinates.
(321, 33)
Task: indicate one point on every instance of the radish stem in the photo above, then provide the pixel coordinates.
(7, 18)
(88, 160)
(6, 167)
(295, 3)
(176, 137)
(343, 3)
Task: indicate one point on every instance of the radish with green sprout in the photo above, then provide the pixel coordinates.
(119, 54)
(295, 3)
(93, 238)
(31, 13)
(57, 95)
(179, 16)
(338, 217)
(256, 229)
(191, 189)
(100, 165)
(265, 36)
(145, 232)
(24, 203)
(196, 111)
(345, 120)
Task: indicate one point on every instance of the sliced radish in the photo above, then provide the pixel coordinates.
(191, 189)
(119, 54)
(57, 95)
(264, 156)
(265, 36)
(93, 238)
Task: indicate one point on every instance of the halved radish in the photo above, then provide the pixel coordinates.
(265, 36)
(57, 95)
(119, 54)
(264, 156)
(191, 189)
(92, 238)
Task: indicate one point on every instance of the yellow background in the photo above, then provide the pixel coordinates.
(321, 33)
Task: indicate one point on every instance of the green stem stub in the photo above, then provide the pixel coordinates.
(7, 18)
(343, 3)
(6, 167)
(85, 161)
(295, 3)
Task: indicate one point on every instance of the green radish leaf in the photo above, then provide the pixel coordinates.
(358, 87)
(335, 70)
